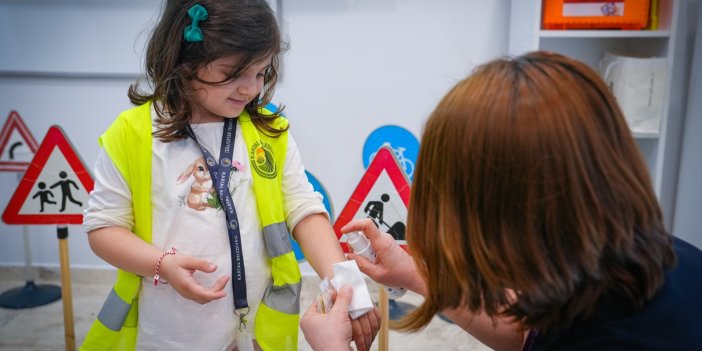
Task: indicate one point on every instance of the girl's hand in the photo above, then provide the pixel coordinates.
(330, 331)
(178, 271)
(393, 266)
(365, 328)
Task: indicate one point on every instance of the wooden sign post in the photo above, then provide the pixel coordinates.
(383, 196)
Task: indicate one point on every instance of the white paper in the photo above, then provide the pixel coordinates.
(347, 273)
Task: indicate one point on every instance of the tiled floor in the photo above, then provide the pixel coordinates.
(42, 328)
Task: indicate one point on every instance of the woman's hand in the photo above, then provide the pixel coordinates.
(393, 266)
(178, 271)
(330, 331)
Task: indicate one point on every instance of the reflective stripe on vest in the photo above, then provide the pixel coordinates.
(275, 236)
(284, 294)
(128, 143)
(114, 312)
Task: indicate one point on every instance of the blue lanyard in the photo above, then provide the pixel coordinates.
(221, 182)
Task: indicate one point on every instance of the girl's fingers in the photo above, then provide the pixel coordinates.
(203, 296)
(220, 283)
(197, 264)
(366, 329)
(374, 319)
(358, 336)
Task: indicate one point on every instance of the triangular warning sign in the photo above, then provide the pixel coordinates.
(17, 145)
(382, 195)
(55, 188)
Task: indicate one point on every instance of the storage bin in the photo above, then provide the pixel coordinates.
(595, 14)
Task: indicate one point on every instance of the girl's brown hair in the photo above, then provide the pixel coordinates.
(246, 28)
(529, 180)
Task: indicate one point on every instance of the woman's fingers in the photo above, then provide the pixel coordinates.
(365, 225)
(371, 269)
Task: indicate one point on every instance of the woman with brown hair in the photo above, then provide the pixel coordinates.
(532, 213)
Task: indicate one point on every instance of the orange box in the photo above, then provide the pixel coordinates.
(595, 14)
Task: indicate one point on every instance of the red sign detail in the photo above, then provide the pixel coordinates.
(55, 138)
(14, 121)
(384, 160)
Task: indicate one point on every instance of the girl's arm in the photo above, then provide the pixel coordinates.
(106, 219)
(124, 250)
(306, 215)
(319, 244)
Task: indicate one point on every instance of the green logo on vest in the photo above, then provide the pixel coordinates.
(261, 156)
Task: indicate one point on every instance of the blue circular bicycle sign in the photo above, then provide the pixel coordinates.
(404, 145)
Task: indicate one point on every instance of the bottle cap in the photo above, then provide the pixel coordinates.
(357, 241)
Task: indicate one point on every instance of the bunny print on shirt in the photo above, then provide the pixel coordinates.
(201, 191)
(201, 195)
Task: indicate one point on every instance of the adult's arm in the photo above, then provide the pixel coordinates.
(395, 267)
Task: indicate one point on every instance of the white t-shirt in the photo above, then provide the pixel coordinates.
(183, 218)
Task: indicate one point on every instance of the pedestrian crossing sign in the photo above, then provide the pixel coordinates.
(55, 187)
(382, 195)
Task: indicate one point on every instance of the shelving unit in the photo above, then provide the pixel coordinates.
(659, 149)
(604, 33)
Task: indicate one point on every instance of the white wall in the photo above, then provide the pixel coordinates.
(353, 66)
(688, 207)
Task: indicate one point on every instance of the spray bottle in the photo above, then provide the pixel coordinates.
(362, 247)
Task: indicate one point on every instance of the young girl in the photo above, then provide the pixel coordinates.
(196, 189)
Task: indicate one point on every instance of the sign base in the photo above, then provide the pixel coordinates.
(30, 295)
(399, 309)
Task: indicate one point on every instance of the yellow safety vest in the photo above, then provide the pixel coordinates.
(128, 143)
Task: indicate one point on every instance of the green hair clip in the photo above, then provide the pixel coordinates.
(193, 33)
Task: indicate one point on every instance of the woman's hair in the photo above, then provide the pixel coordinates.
(529, 184)
(246, 28)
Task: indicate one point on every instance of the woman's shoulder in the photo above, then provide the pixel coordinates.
(688, 267)
(614, 326)
(687, 251)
